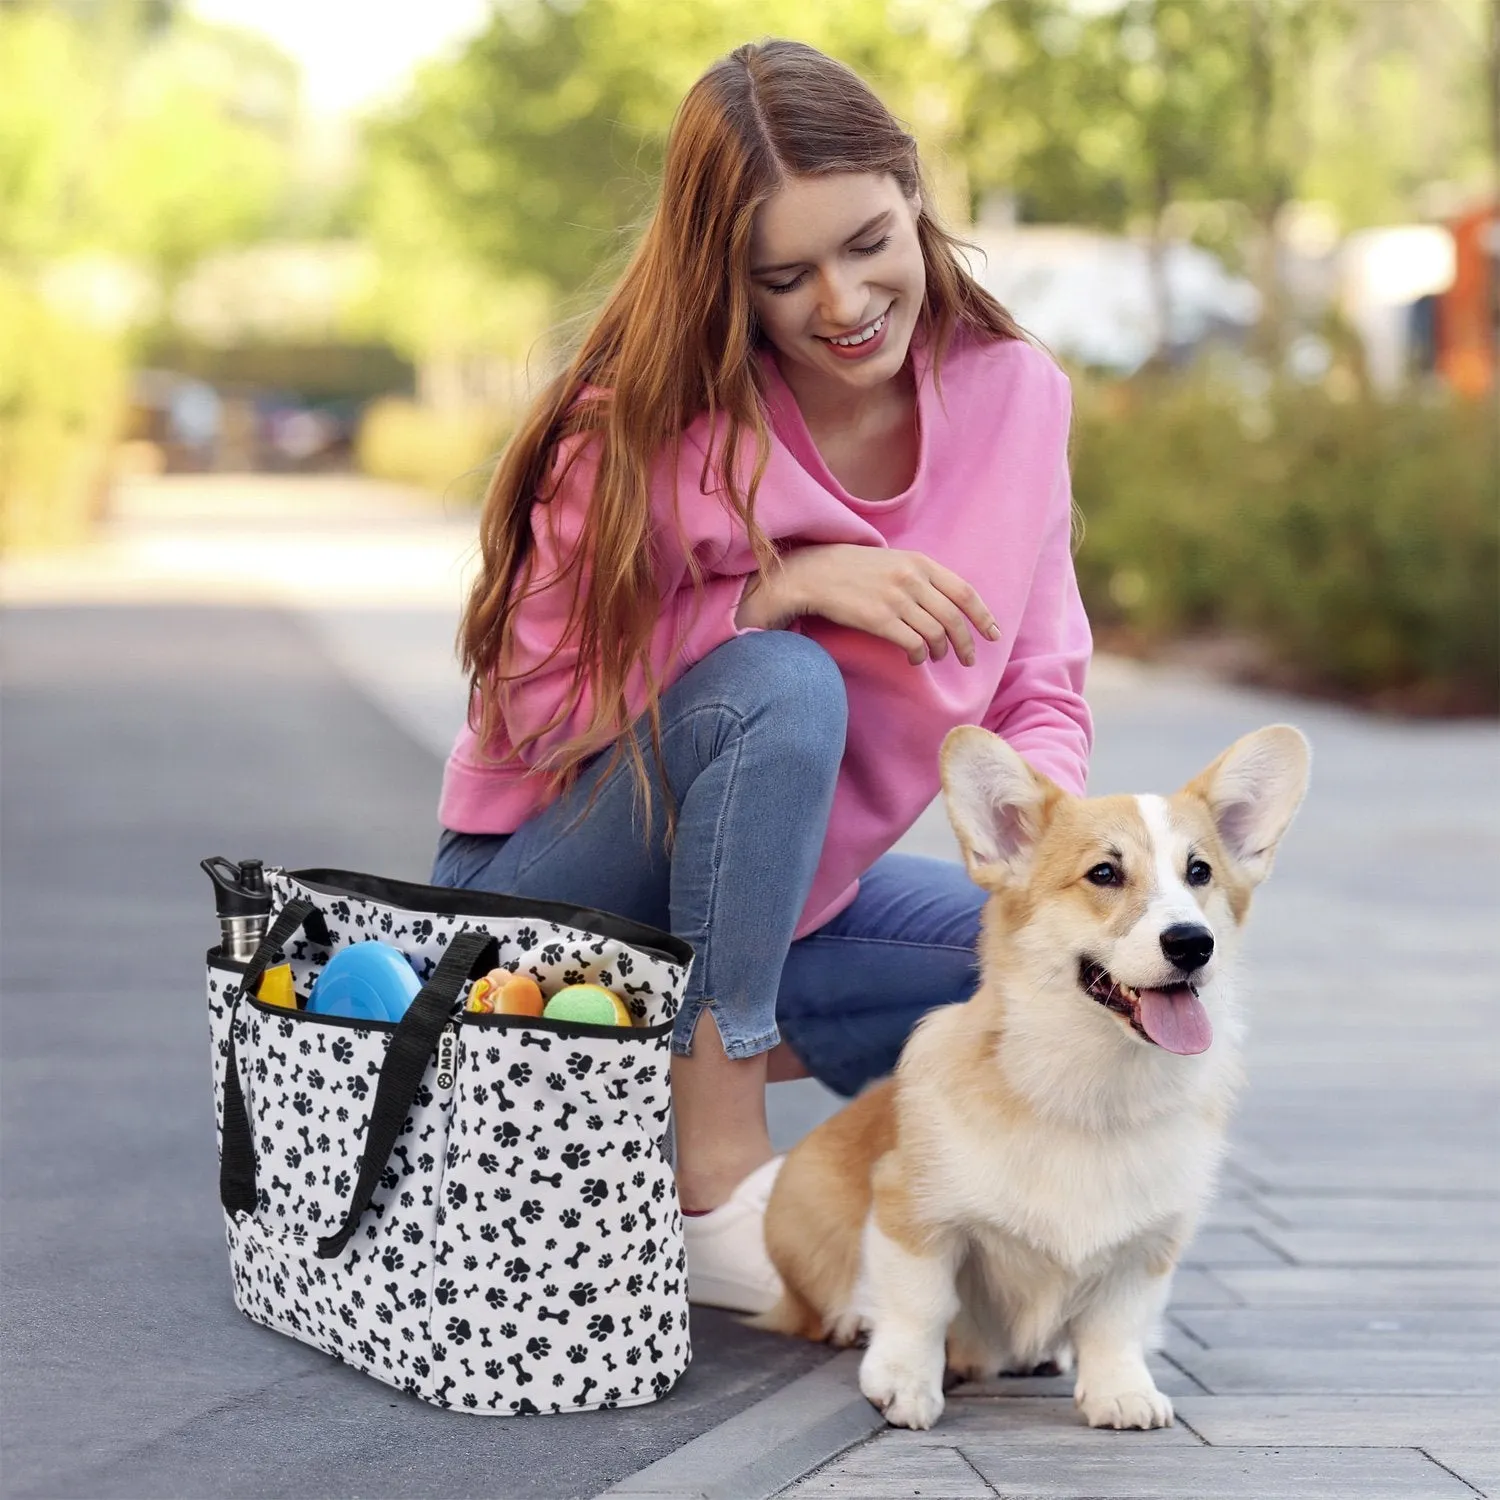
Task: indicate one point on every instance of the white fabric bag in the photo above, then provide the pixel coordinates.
(477, 1209)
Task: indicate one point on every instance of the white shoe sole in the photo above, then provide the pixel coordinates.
(732, 1296)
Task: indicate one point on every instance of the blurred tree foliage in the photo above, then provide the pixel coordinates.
(128, 128)
(1125, 117)
(539, 144)
(137, 139)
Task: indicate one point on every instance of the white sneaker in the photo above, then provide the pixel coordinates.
(726, 1248)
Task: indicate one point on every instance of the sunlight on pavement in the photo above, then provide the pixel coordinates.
(301, 541)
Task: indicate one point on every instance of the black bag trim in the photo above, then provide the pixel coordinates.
(493, 1022)
(452, 901)
(564, 1029)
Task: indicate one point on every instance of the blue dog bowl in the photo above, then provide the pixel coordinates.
(365, 982)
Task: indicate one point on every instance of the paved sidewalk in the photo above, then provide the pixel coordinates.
(1336, 1331)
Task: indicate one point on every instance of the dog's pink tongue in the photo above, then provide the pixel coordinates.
(1176, 1020)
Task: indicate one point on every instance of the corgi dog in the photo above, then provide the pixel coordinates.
(1018, 1192)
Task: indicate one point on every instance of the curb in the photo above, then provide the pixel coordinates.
(763, 1449)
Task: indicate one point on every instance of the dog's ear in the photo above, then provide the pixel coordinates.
(1253, 790)
(997, 804)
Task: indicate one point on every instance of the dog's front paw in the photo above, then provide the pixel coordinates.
(909, 1396)
(1140, 1405)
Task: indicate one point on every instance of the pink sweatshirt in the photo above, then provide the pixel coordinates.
(990, 500)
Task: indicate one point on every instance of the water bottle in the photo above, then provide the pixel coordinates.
(243, 901)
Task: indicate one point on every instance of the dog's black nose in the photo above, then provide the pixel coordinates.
(1188, 945)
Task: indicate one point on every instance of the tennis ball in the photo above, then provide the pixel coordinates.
(587, 1002)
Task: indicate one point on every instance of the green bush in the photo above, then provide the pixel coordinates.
(1355, 544)
(61, 405)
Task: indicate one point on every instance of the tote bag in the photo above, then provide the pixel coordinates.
(477, 1209)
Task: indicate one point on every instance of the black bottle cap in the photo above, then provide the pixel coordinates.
(239, 890)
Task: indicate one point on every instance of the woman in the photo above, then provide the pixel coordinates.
(799, 505)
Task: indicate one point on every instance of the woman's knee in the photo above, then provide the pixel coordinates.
(780, 679)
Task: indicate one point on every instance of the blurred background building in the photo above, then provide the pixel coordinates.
(1263, 236)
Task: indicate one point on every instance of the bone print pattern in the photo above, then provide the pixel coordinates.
(308, 1085)
(523, 1253)
(559, 1240)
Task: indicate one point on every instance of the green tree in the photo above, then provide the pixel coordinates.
(126, 129)
(48, 100)
(1402, 102)
(201, 156)
(1117, 117)
(543, 140)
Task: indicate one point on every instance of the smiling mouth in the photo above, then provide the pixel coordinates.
(1169, 1016)
(860, 335)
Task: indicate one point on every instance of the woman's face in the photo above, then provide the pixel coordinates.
(832, 259)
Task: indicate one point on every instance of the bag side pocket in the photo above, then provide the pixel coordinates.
(560, 1243)
(309, 1086)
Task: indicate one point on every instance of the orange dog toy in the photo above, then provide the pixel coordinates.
(501, 992)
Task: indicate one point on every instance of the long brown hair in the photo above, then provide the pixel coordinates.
(675, 340)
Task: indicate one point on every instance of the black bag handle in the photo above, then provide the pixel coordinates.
(237, 1148)
(469, 954)
(299, 911)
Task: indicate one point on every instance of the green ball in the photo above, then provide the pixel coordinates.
(582, 1002)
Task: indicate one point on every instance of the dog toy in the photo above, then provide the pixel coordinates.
(368, 981)
(588, 1002)
(501, 992)
(275, 987)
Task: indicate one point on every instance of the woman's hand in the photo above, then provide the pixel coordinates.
(902, 597)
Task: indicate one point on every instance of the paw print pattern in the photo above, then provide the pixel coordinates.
(470, 1282)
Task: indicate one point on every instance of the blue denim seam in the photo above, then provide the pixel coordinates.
(879, 942)
(693, 1005)
(691, 714)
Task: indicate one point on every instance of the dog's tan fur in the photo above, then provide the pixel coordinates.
(1024, 1184)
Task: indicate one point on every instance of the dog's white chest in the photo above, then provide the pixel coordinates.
(1075, 1196)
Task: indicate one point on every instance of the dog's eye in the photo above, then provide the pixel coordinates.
(1198, 872)
(1105, 874)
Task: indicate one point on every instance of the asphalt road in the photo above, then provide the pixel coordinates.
(135, 741)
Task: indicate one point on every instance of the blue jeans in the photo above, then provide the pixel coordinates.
(752, 737)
